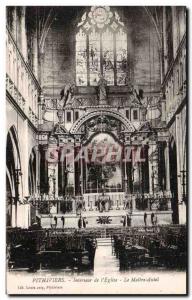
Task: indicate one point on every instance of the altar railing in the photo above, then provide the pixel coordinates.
(149, 202)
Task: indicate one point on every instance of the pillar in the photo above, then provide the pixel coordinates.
(41, 108)
(23, 33)
(175, 29)
(61, 171)
(145, 169)
(167, 173)
(70, 166)
(165, 40)
(180, 144)
(153, 168)
(167, 167)
(44, 169)
(81, 178)
(37, 183)
(14, 22)
(35, 54)
(77, 168)
(128, 169)
(137, 170)
(23, 139)
(179, 147)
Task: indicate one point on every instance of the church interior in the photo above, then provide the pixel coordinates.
(96, 141)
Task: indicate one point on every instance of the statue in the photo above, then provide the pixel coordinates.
(60, 115)
(67, 94)
(102, 90)
(52, 182)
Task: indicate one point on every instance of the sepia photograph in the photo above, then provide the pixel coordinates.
(96, 150)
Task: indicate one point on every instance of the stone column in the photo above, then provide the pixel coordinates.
(77, 167)
(136, 164)
(23, 138)
(35, 54)
(41, 107)
(163, 107)
(167, 167)
(37, 168)
(126, 160)
(167, 172)
(128, 165)
(179, 147)
(23, 33)
(136, 177)
(61, 171)
(135, 174)
(153, 168)
(44, 170)
(14, 22)
(175, 30)
(45, 149)
(165, 39)
(81, 177)
(70, 166)
(53, 169)
(133, 202)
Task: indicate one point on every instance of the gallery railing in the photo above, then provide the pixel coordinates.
(21, 83)
(175, 86)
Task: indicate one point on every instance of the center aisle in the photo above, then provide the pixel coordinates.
(105, 262)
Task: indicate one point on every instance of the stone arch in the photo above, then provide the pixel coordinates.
(13, 136)
(14, 189)
(10, 193)
(93, 135)
(116, 115)
(13, 157)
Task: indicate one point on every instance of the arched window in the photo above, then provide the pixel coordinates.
(101, 48)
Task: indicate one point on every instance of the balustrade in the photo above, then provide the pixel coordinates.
(20, 81)
(150, 202)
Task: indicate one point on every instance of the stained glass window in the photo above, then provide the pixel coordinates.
(121, 57)
(81, 59)
(94, 57)
(108, 56)
(101, 47)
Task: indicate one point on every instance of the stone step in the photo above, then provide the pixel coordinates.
(104, 245)
(104, 242)
(104, 239)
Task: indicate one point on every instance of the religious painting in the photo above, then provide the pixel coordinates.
(100, 174)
